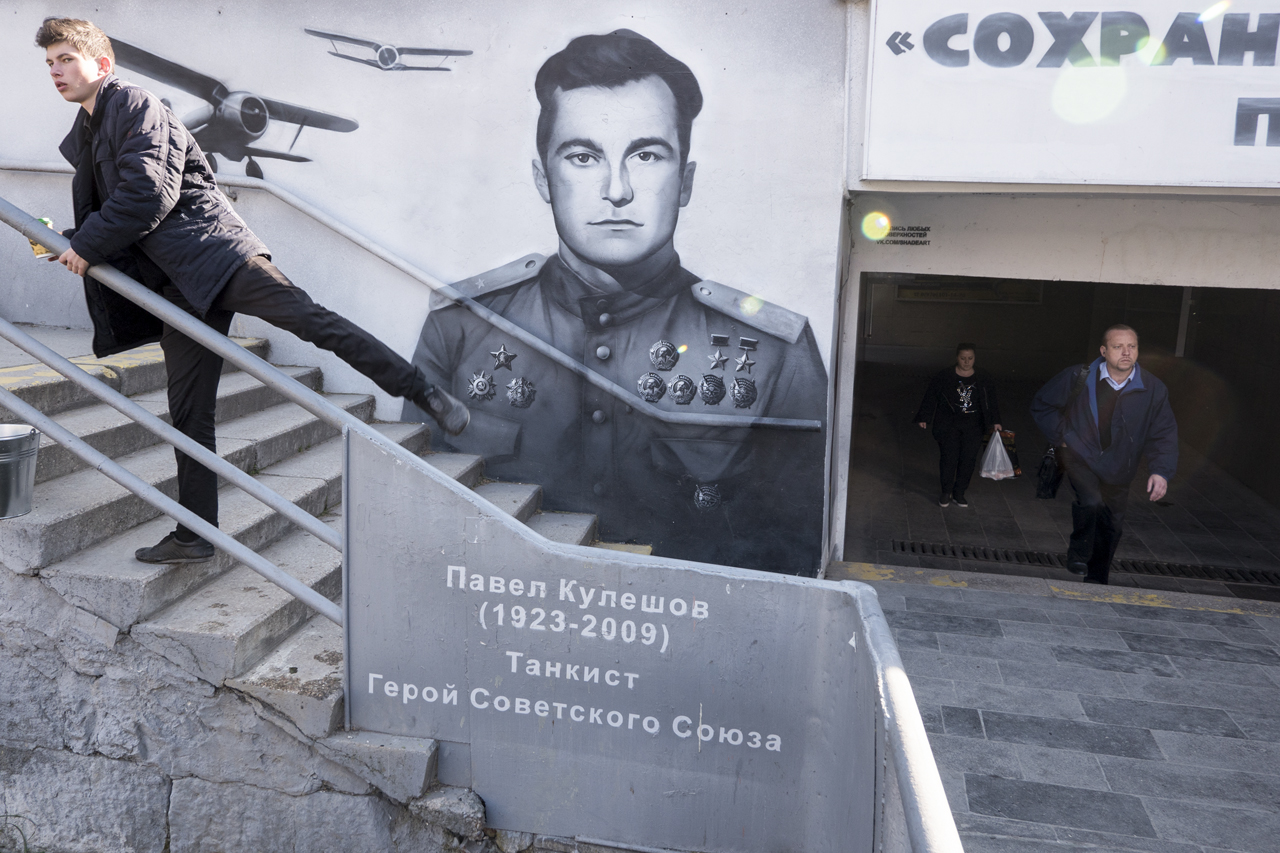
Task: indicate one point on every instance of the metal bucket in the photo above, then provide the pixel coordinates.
(18, 446)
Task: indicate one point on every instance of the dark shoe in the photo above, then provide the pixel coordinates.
(1077, 568)
(170, 550)
(960, 501)
(447, 409)
(943, 500)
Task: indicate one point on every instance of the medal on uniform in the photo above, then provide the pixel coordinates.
(481, 386)
(502, 358)
(683, 390)
(651, 387)
(743, 392)
(743, 362)
(663, 355)
(711, 390)
(706, 496)
(520, 392)
(718, 360)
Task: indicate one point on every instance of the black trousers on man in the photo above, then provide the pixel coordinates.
(1097, 514)
(260, 290)
(959, 442)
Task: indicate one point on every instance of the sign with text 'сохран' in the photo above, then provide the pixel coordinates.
(1146, 92)
(603, 696)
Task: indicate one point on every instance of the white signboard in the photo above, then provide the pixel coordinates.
(1146, 93)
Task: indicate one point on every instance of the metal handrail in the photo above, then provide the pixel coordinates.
(170, 434)
(931, 827)
(268, 374)
(487, 314)
(169, 506)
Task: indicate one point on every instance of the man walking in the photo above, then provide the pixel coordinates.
(146, 202)
(1107, 417)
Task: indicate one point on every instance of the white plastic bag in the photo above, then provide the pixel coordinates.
(995, 462)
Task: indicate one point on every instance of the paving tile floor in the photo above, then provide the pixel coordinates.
(1208, 517)
(1072, 725)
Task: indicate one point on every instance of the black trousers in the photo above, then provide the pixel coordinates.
(260, 290)
(1097, 515)
(959, 441)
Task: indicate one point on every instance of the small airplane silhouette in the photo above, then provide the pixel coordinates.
(387, 56)
(230, 121)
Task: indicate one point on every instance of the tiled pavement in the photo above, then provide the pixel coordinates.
(1069, 718)
(1208, 518)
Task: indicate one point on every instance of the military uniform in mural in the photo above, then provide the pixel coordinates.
(748, 497)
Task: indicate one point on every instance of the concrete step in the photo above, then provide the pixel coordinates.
(229, 624)
(106, 580)
(302, 678)
(83, 508)
(517, 499)
(226, 626)
(573, 528)
(625, 547)
(463, 467)
(135, 371)
(112, 433)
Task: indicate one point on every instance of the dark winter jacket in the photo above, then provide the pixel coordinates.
(935, 408)
(1142, 426)
(146, 202)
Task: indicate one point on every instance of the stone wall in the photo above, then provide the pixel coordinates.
(107, 746)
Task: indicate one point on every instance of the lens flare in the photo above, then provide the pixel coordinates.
(1214, 11)
(875, 225)
(682, 349)
(1151, 50)
(1088, 95)
(751, 305)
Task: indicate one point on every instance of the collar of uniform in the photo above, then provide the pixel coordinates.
(599, 309)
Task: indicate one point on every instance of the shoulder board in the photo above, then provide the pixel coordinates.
(507, 275)
(752, 310)
(495, 280)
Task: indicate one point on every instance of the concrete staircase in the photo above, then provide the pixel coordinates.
(219, 620)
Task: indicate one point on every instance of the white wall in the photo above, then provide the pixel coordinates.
(33, 291)
(439, 170)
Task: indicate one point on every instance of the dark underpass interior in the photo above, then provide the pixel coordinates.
(1217, 531)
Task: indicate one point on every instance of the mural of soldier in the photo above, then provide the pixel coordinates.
(613, 140)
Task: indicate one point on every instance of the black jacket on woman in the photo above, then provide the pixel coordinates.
(936, 410)
(147, 203)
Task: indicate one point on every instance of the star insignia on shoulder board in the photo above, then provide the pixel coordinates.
(502, 358)
(718, 360)
(744, 362)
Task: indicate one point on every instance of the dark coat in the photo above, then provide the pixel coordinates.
(746, 496)
(1142, 425)
(935, 409)
(147, 203)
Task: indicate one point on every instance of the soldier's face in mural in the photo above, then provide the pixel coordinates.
(613, 173)
(75, 76)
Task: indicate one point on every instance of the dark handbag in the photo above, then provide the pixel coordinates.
(1049, 477)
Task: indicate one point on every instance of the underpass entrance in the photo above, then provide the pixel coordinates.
(1216, 532)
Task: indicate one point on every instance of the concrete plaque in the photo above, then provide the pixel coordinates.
(605, 696)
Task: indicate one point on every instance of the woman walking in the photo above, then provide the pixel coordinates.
(961, 405)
